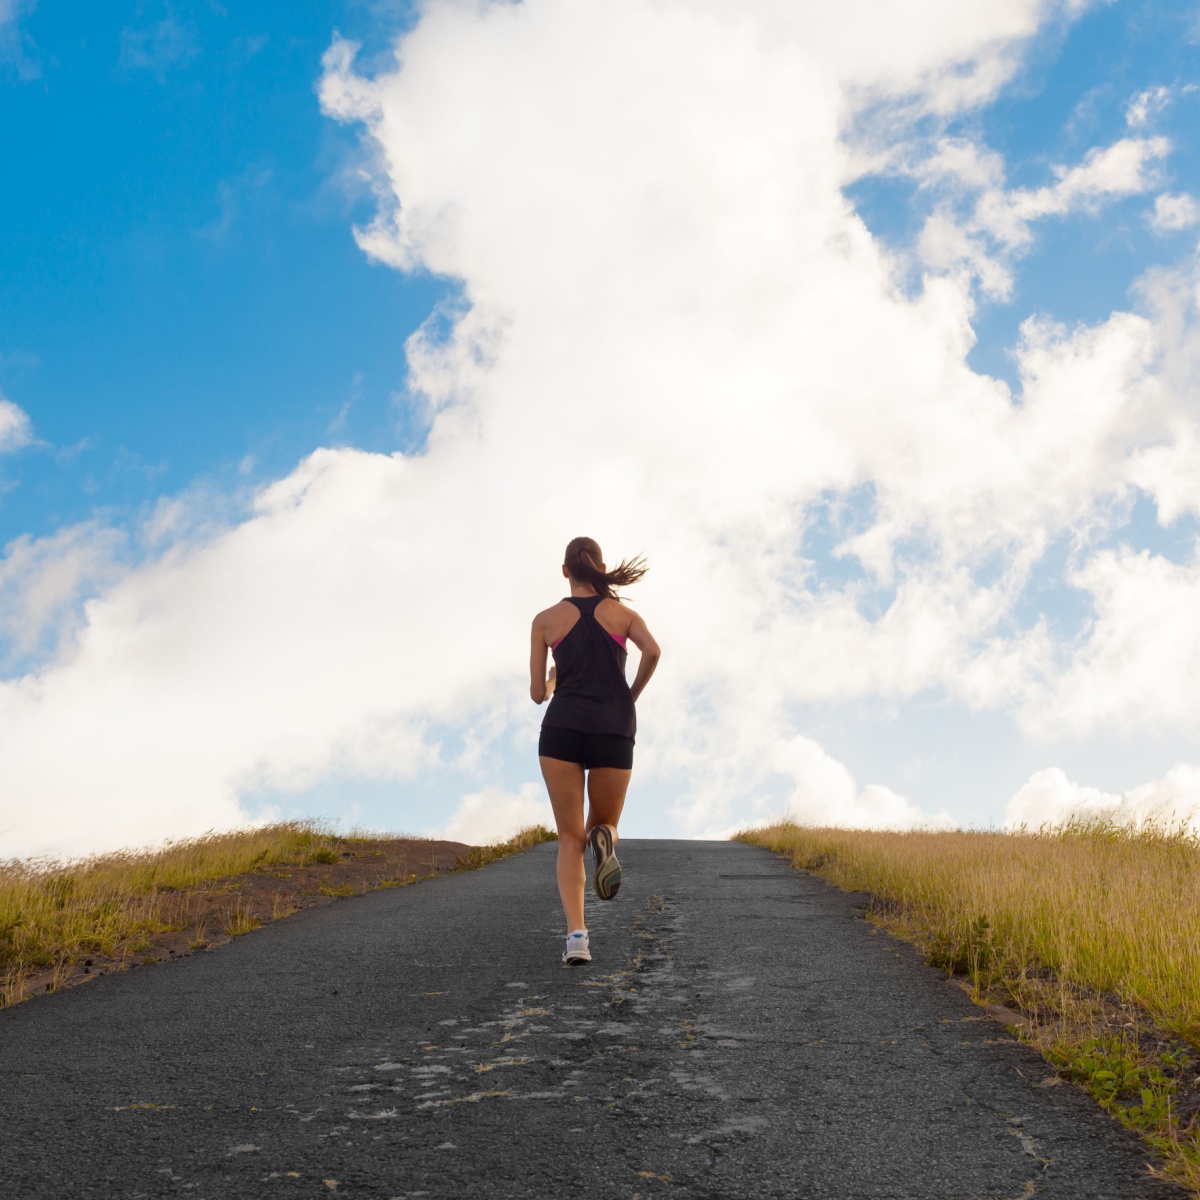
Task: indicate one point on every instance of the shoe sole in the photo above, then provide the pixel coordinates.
(606, 879)
(574, 959)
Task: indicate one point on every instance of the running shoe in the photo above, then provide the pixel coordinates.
(606, 878)
(577, 948)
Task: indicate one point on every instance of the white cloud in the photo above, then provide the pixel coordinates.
(1122, 169)
(1126, 168)
(494, 815)
(980, 224)
(1174, 211)
(1145, 105)
(947, 245)
(1167, 467)
(678, 336)
(970, 166)
(1139, 666)
(826, 793)
(15, 428)
(1051, 799)
(42, 581)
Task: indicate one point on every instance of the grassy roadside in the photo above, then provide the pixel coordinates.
(1089, 937)
(523, 839)
(113, 911)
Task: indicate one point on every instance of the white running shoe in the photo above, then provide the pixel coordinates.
(577, 948)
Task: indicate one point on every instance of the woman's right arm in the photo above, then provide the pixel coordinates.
(643, 639)
(540, 687)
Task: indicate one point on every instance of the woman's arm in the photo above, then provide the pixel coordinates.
(541, 687)
(643, 639)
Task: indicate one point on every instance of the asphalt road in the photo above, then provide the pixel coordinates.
(740, 1032)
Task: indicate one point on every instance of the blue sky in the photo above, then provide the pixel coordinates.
(1077, 97)
(182, 296)
(186, 313)
(1071, 94)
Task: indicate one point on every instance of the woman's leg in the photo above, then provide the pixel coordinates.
(564, 782)
(606, 788)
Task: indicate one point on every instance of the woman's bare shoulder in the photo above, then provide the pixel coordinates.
(615, 602)
(616, 611)
(555, 610)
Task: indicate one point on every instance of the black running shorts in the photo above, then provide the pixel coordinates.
(588, 749)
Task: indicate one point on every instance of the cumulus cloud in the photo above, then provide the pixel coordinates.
(676, 334)
(982, 223)
(1051, 799)
(827, 794)
(1139, 666)
(1123, 169)
(495, 815)
(15, 427)
(42, 581)
(1145, 105)
(1174, 211)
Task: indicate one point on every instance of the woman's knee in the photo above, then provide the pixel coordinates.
(572, 842)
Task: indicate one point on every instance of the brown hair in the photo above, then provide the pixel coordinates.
(583, 560)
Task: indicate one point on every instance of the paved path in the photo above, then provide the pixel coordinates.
(741, 1032)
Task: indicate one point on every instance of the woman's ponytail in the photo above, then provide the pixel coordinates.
(583, 559)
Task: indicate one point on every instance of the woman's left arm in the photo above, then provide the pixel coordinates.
(643, 639)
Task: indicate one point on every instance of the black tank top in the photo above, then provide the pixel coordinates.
(590, 691)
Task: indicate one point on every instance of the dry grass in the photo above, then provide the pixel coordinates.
(524, 839)
(1090, 934)
(53, 915)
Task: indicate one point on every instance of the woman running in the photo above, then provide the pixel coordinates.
(590, 723)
